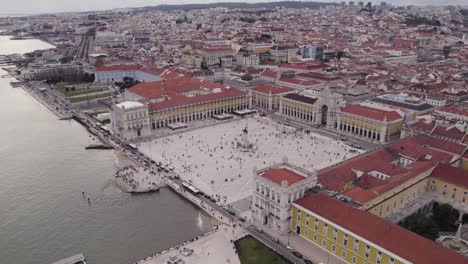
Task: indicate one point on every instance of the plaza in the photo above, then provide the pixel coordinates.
(209, 158)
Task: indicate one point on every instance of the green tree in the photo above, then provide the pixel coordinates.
(445, 217)
(422, 225)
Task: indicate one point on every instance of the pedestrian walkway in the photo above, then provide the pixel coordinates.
(307, 248)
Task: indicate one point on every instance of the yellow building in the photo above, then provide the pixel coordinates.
(359, 237)
(371, 124)
(450, 183)
(389, 179)
(318, 109)
(185, 99)
(268, 96)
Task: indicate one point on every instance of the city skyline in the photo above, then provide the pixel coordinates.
(27, 7)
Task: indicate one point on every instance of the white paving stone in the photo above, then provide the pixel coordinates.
(209, 155)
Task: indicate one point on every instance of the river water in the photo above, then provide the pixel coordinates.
(43, 170)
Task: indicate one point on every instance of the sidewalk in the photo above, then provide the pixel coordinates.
(307, 248)
(214, 248)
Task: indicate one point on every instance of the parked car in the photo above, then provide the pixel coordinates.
(242, 219)
(297, 254)
(274, 239)
(258, 229)
(231, 213)
(306, 261)
(290, 249)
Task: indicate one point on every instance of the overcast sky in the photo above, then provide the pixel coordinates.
(50, 6)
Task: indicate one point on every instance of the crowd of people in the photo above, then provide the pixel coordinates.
(210, 159)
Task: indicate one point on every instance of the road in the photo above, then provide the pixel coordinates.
(277, 247)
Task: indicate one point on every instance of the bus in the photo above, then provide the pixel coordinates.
(190, 188)
(132, 146)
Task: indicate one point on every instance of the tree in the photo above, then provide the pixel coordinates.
(421, 225)
(445, 217)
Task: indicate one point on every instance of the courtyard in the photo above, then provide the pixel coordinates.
(211, 160)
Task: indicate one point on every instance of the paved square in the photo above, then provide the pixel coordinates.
(210, 159)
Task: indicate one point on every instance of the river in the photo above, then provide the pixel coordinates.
(44, 169)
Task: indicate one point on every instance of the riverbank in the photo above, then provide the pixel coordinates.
(214, 247)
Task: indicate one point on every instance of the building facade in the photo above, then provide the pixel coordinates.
(130, 120)
(277, 187)
(359, 237)
(322, 109)
(268, 96)
(371, 124)
(117, 73)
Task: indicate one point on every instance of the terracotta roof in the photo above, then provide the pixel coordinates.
(401, 242)
(451, 174)
(426, 151)
(282, 174)
(372, 113)
(180, 100)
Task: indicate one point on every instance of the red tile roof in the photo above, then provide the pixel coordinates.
(180, 100)
(282, 174)
(451, 174)
(401, 242)
(427, 151)
(173, 91)
(372, 113)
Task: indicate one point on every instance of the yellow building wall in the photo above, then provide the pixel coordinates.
(446, 189)
(332, 245)
(398, 200)
(464, 164)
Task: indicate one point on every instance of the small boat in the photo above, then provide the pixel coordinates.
(76, 259)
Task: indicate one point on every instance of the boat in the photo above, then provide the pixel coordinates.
(99, 146)
(15, 84)
(76, 259)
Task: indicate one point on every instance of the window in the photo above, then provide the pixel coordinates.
(325, 230)
(356, 245)
(263, 191)
(345, 240)
(367, 251)
(258, 187)
(289, 198)
(379, 257)
(335, 234)
(307, 219)
(324, 243)
(343, 254)
(298, 215)
(392, 260)
(316, 224)
(307, 232)
(333, 248)
(354, 259)
(273, 195)
(315, 237)
(454, 193)
(278, 197)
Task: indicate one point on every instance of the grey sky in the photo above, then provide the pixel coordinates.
(48, 6)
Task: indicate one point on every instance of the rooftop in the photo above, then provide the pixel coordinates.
(372, 113)
(399, 241)
(282, 174)
(301, 98)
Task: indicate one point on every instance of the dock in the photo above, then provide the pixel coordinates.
(76, 259)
